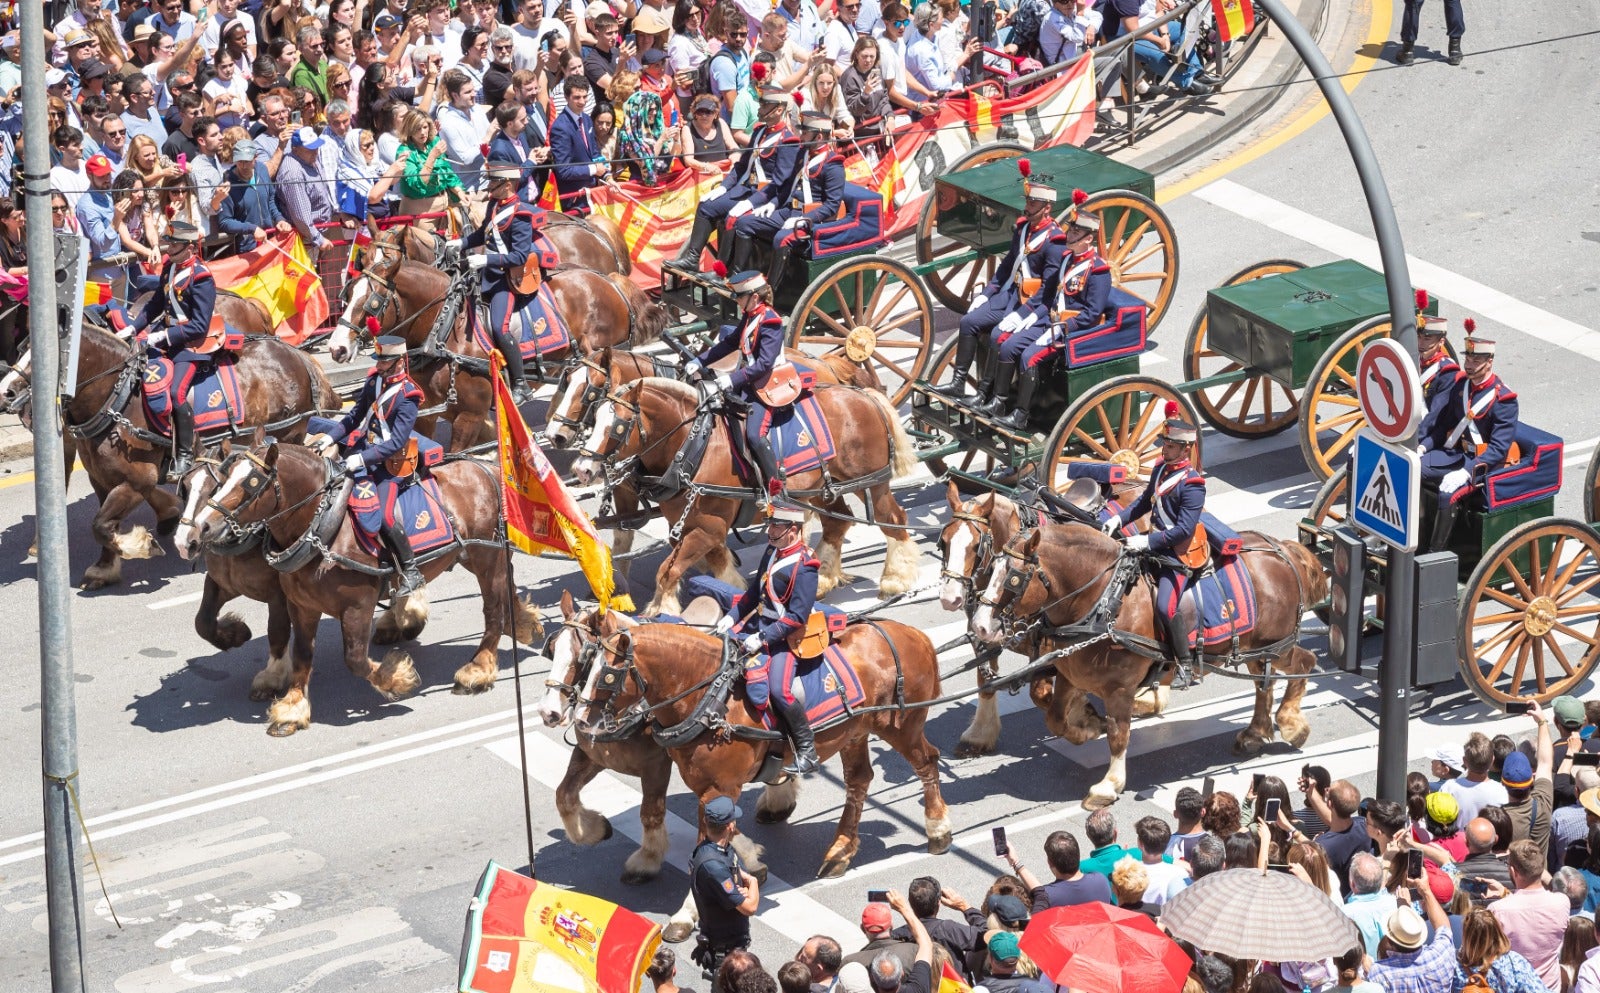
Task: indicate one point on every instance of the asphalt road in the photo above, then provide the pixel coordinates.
(342, 858)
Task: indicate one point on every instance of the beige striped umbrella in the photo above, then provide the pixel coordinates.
(1256, 914)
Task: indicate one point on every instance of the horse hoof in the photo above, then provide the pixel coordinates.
(972, 749)
(1095, 801)
(168, 527)
(635, 877)
(1296, 734)
(759, 871)
(676, 932)
(471, 689)
(833, 868)
(282, 729)
(262, 695)
(765, 816)
(1248, 744)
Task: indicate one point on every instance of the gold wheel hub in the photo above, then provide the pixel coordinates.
(860, 343)
(1540, 616)
(1129, 460)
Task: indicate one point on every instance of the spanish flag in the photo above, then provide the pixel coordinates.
(1235, 18)
(95, 292)
(539, 512)
(524, 936)
(950, 981)
(277, 275)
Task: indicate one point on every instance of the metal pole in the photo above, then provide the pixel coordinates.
(1394, 673)
(59, 731)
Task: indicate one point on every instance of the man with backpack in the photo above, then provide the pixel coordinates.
(728, 71)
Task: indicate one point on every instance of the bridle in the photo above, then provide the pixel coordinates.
(621, 429)
(1014, 581)
(261, 476)
(617, 668)
(588, 650)
(982, 553)
(593, 393)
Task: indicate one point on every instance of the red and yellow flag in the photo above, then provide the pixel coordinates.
(524, 936)
(278, 275)
(950, 981)
(1235, 18)
(540, 514)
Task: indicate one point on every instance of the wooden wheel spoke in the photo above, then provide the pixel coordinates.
(1572, 593)
(1348, 377)
(1106, 430)
(1538, 663)
(829, 320)
(1141, 255)
(1506, 634)
(1352, 417)
(1571, 568)
(1230, 392)
(1520, 583)
(1507, 599)
(871, 310)
(896, 342)
(1250, 395)
(1575, 635)
(1122, 227)
(1093, 443)
(1522, 666)
(1134, 277)
(877, 294)
(893, 366)
(1509, 617)
(1561, 657)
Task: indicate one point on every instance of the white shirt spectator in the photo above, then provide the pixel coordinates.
(463, 133)
(1472, 797)
(73, 184)
(805, 28)
(1161, 876)
(527, 52)
(184, 27)
(211, 34)
(838, 40)
(926, 65)
(1061, 35)
(206, 173)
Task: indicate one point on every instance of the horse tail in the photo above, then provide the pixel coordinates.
(902, 453)
(650, 317)
(608, 230)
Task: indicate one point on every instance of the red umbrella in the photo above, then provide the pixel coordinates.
(1098, 948)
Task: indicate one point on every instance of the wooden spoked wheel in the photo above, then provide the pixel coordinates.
(1138, 242)
(1591, 489)
(955, 286)
(1117, 421)
(1530, 616)
(873, 309)
(1330, 414)
(1330, 508)
(1250, 408)
(974, 459)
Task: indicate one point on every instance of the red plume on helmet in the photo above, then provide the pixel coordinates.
(373, 327)
(1470, 324)
(1171, 410)
(720, 268)
(1079, 198)
(758, 71)
(799, 99)
(1422, 300)
(1025, 167)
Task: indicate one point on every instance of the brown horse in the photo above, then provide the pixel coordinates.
(674, 661)
(649, 420)
(1078, 558)
(280, 387)
(278, 485)
(406, 298)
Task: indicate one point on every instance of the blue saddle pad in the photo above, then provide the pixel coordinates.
(539, 327)
(214, 396)
(829, 686)
(418, 507)
(1228, 604)
(800, 437)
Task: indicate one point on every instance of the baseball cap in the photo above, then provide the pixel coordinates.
(653, 56)
(1569, 712)
(54, 77)
(596, 8)
(93, 69)
(98, 165)
(1442, 808)
(853, 978)
(1405, 929)
(875, 918)
(1450, 755)
(722, 810)
(307, 138)
(386, 20)
(1516, 772)
(245, 149)
(650, 21)
(1010, 911)
(1004, 947)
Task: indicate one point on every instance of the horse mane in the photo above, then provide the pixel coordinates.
(680, 641)
(671, 387)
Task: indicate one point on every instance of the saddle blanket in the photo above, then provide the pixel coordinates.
(539, 327)
(1227, 603)
(214, 396)
(799, 436)
(821, 684)
(418, 507)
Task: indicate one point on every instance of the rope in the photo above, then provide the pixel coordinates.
(77, 809)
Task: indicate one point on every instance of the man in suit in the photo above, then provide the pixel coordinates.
(575, 151)
(1468, 432)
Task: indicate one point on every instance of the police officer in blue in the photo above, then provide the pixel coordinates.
(1439, 369)
(762, 178)
(818, 192)
(1469, 432)
(377, 427)
(1174, 498)
(1017, 299)
(507, 239)
(775, 605)
(764, 383)
(725, 895)
(178, 318)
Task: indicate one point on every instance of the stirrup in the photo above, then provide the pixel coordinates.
(407, 581)
(804, 765)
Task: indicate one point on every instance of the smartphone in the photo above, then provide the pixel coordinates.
(1210, 786)
(1519, 707)
(1586, 758)
(1278, 866)
(1413, 864)
(1270, 813)
(1474, 887)
(294, 117)
(1002, 849)
(1255, 783)
(877, 896)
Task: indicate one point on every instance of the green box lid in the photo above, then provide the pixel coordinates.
(1063, 167)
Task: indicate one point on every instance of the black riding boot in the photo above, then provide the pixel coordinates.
(405, 563)
(771, 482)
(689, 258)
(991, 374)
(743, 248)
(520, 393)
(1443, 524)
(799, 727)
(1177, 636)
(780, 263)
(966, 349)
(1005, 382)
(182, 441)
(1018, 419)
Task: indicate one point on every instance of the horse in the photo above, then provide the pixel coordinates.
(278, 485)
(648, 421)
(280, 387)
(405, 297)
(594, 243)
(661, 670)
(1080, 559)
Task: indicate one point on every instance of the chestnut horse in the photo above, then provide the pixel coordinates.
(673, 663)
(280, 387)
(279, 485)
(406, 298)
(648, 420)
(1078, 558)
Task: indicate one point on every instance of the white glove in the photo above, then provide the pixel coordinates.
(453, 243)
(1028, 322)
(792, 223)
(725, 381)
(476, 262)
(977, 301)
(156, 339)
(355, 463)
(752, 644)
(692, 368)
(740, 209)
(765, 210)
(1139, 543)
(1453, 481)
(1113, 524)
(724, 624)
(1010, 324)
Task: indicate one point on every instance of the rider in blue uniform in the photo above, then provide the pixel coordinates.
(1174, 499)
(182, 308)
(507, 238)
(1439, 369)
(776, 604)
(1016, 300)
(377, 427)
(818, 192)
(764, 382)
(1467, 433)
(762, 178)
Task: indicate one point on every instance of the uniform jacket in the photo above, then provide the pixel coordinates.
(1437, 376)
(1036, 254)
(507, 236)
(775, 158)
(392, 407)
(1493, 408)
(534, 175)
(185, 298)
(821, 183)
(573, 148)
(785, 590)
(1176, 494)
(1086, 288)
(759, 338)
(717, 887)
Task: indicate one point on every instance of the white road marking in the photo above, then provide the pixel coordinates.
(1484, 301)
(176, 601)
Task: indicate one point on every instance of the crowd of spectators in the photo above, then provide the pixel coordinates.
(1507, 834)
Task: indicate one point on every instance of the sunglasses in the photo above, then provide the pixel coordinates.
(903, 23)
(55, 209)
(115, 134)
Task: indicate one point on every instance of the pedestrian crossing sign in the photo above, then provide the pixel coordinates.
(1385, 490)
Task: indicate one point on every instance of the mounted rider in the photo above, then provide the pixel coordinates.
(1013, 309)
(760, 180)
(1468, 432)
(182, 307)
(1439, 368)
(375, 443)
(816, 197)
(510, 265)
(1174, 498)
(775, 605)
(764, 383)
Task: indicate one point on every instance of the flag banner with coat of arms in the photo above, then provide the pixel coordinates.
(539, 512)
(1235, 18)
(278, 275)
(524, 936)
